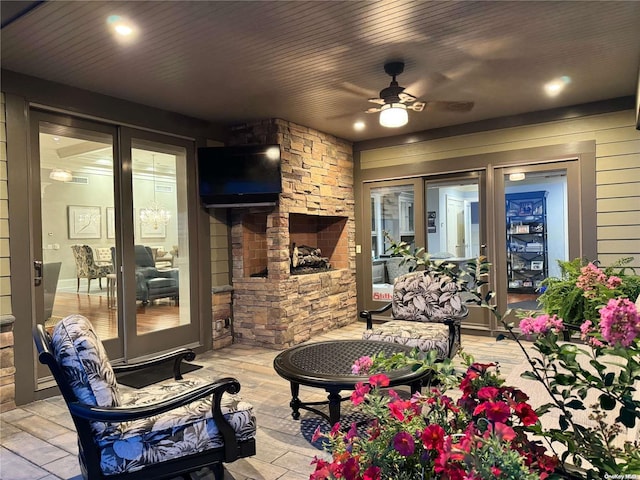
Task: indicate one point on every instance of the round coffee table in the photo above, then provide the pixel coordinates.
(328, 364)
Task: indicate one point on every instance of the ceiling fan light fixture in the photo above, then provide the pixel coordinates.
(60, 175)
(393, 115)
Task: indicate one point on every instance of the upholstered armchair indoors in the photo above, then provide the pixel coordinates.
(86, 266)
(158, 432)
(152, 283)
(426, 312)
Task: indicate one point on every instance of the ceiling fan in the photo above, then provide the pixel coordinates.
(394, 101)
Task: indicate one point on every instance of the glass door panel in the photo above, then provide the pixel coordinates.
(161, 237)
(392, 214)
(77, 202)
(74, 228)
(160, 302)
(535, 239)
(455, 226)
(534, 215)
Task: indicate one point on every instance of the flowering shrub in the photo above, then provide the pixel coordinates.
(583, 289)
(610, 329)
(479, 436)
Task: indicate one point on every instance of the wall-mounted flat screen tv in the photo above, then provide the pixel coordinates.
(241, 175)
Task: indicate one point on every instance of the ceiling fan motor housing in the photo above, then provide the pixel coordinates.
(391, 94)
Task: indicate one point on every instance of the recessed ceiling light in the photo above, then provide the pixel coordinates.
(123, 28)
(359, 126)
(554, 87)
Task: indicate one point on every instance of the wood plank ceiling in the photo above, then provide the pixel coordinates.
(316, 63)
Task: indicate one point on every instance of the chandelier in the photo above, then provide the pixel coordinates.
(155, 215)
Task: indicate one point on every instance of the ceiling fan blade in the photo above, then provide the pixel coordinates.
(356, 89)
(449, 106)
(379, 101)
(372, 110)
(406, 97)
(417, 106)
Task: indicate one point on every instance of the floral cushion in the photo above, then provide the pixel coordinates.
(425, 296)
(183, 431)
(84, 362)
(424, 336)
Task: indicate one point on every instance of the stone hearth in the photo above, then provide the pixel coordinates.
(316, 208)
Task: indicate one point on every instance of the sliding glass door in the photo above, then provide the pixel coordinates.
(113, 227)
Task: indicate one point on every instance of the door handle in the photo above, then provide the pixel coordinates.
(37, 267)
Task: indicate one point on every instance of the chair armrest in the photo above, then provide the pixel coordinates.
(124, 414)
(453, 320)
(177, 356)
(367, 314)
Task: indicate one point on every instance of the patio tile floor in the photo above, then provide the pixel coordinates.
(38, 441)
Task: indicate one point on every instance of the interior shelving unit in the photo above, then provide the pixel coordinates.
(527, 257)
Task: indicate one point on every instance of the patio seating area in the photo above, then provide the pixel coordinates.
(38, 440)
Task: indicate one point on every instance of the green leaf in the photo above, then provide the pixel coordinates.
(564, 424)
(608, 379)
(607, 402)
(575, 404)
(564, 380)
(627, 417)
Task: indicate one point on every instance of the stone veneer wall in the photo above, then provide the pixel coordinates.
(317, 178)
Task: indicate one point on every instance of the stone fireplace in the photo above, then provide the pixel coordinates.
(272, 307)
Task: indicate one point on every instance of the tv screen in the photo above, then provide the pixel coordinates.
(240, 175)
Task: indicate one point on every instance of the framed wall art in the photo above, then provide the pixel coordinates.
(84, 222)
(111, 222)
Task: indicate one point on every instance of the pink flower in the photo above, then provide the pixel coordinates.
(589, 278)
(504, 432)
(541, 324)
(316, 435)
(362, 365)
(357, 397)
(614, 282)
(619, 322)
(585, 328)
(404, 444)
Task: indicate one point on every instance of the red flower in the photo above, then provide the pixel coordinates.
(433, 437)
(404, 444)
(351, 469)
(526, 414)
(495, 411)
(379, 380)
(357, 397)
(372, 473)
(488, 393)
(397, 409)
(322, 470)
(496, 471)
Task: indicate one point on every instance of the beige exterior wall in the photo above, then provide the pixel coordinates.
(5, 284)
(617, 167)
